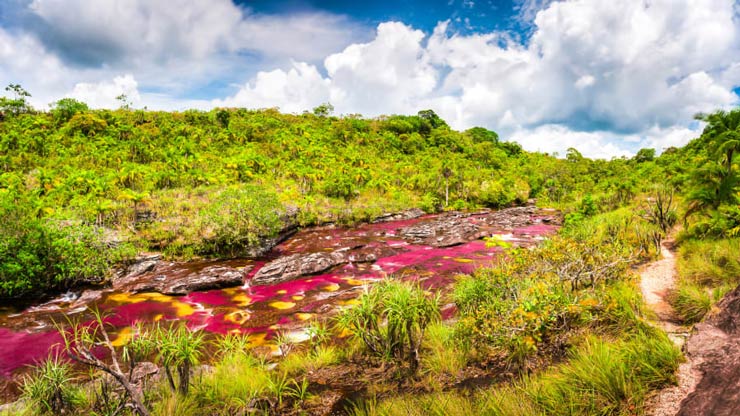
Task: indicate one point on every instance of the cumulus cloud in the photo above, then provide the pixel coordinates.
(105, 94)
(605, 76)
(299, 88)
(594, 72)
(107, 32)
(555, 138)
(178, 50)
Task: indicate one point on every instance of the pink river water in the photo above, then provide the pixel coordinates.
(29, 335)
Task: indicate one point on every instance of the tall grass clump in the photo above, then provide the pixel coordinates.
(710, 262)
(604, 376)
(236, 382)
(706, 270)
(690, 301)
(391, 319)
(443, 354)
(49, 389)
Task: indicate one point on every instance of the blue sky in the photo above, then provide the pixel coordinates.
(467, 15)
(607, 77)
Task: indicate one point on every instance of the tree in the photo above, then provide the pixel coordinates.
(16, 105)
(480, 134)
(723, 131)
(644, 155)
(64, 109)
(432, 118)
(125, 103)
(716, 181)
(324, 110)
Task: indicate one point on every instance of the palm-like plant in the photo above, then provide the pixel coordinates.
(391, 319)
(723, 129)
(182, 349)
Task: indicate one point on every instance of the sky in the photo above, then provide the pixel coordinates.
(606, 77)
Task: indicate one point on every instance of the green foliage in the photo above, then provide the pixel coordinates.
(236, 380)
(391, 319)
(178, 348)
(49, 388)
(16, 105)
(706, 270)
(504, 308)
(606, 378)
(710, 263)
(238, 217)
(66, 108)
(691, 302)
(644, 155)
(42, 254)
(602, 377)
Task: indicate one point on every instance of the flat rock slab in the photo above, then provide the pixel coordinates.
(297, 265)
(181, 279)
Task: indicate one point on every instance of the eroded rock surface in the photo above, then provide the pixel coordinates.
(297, 265)
(715, 343)
(171, 279)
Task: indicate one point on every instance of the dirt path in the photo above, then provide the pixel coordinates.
(656, 281)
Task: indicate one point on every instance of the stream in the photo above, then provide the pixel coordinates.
(310, 275)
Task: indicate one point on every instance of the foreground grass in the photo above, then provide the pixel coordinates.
(707, 269)
(603, 376)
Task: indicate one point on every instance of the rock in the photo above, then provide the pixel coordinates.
(409, 214)
(296, 265)
(715, 344)
(86, 298)
(268, 243)
(445, 231)
(142, 264)
(184, 280)
(144, 370)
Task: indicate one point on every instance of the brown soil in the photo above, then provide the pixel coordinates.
(657, 280)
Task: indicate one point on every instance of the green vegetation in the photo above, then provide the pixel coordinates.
(601, 377)
(391, 320)
(215, 183)
(558, 329)
(49, 389)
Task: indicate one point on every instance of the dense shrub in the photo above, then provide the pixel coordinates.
(37, 255)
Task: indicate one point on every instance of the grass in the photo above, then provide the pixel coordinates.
(235, 380)
(49, 389)
(603, 377)
(707, 269)
(691, 301)
(443, 355)
(300, 362)
(710, 263)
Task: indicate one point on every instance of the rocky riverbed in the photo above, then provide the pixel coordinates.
(309, 275)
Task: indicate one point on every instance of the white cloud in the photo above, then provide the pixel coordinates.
(144, 31)
(386, 75)
(300, 88)
(105, 94)
(554, 138)
(604, 75)
(43, 74)
(600, 71)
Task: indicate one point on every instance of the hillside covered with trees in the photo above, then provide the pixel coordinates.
(211, 183)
